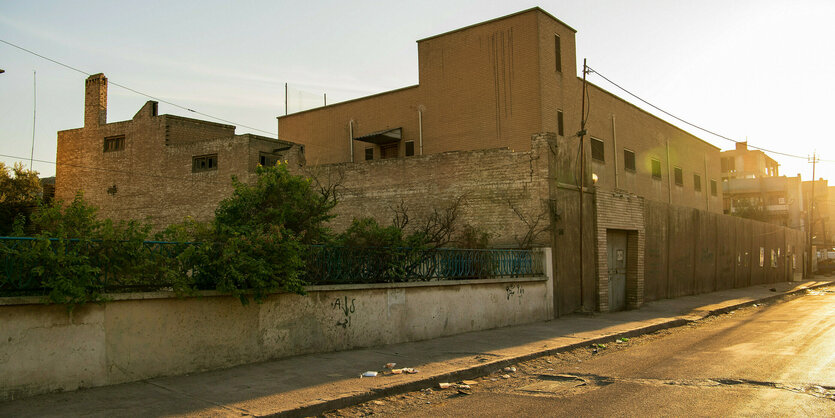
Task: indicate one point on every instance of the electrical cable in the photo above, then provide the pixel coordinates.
(137, 91)
(593, 71)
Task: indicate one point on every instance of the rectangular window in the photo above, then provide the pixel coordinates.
(410, 148)
(679, 176)
(369, 154)
(560, 126)
(697, 182)
(557, 53)
(597, 150)
(204, 163)
(629, 160)
(656, 169)
(713, 187)
(268, 160)
(114, 143)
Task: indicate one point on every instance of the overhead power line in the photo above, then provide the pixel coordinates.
(593, 71)
(137, 91)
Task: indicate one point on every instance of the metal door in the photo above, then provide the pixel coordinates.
(616, 242)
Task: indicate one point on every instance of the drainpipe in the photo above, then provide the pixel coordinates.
(351, 137)
(615, 155)
(707, 187)
(420, 128)
(669, 180)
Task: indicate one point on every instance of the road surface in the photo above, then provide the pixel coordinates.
(770, 360)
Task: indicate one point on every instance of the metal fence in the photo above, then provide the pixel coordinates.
(119, 266)
(333, 265)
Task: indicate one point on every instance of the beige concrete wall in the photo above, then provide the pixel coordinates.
(45, 348)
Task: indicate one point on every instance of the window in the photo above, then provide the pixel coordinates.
(713, 187)
(697, 182)
(410, 148)
(114, 143)
(678, 176)
(629, 160)
(204, 163)
(557, 53)
(597, 150)
(656, 169)
(268, 160)
(560, 126)
(369, 154)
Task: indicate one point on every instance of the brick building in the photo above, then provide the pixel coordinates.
(159, 168)
(493, 85)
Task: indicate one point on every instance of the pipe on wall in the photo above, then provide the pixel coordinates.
(420, 128)
(351, 137)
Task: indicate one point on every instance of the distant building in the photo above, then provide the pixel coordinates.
(159, 168)
(752, 187)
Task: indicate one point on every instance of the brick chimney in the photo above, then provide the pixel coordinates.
(95, 100)
(742, 146)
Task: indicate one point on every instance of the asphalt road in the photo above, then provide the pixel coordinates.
(771, 360)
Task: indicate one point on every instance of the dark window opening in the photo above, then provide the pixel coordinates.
(204, 163)
(369, 154)
(560, 126)
(629, 160)
(713, 187)
(389, 151)
(410, 148)
(656, 169)
(597, 150)
(268, 160)
(557, 53)
(114, 143)
(679, 176)
(697, 183)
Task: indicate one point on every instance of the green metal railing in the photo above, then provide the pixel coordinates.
(332, 265)
(140, 266)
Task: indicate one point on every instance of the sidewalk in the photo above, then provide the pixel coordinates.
(310, 384)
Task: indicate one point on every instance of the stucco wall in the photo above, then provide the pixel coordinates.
(46, 348)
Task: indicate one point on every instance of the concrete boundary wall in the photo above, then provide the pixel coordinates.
(45, 348)
(690, 251)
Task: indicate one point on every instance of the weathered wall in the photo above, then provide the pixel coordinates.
(689, 251)
(503, 191)
(151, 179)
(45, 348)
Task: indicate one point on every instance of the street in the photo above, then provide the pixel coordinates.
(772, 359)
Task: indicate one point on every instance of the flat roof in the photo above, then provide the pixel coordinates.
(532, 9)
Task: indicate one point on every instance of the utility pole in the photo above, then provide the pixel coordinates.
(813, 160)
(34, 110)
(582, 134)
(285, 99)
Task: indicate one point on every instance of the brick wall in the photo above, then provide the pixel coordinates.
(501, 189)
(620, 210)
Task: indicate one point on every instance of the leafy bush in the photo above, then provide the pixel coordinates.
(20, 193)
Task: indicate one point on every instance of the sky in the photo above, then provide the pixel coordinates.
(759, 70)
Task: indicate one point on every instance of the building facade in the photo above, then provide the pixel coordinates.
(157, 168)
(493, 85)
(753, 188)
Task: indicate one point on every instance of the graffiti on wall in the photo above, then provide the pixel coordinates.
(346, 308)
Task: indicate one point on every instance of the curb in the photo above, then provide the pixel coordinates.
(472, 372)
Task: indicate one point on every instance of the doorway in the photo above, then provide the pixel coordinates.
(617, 256)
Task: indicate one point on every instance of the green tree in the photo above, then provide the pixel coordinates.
(259, 239)
(20, 194)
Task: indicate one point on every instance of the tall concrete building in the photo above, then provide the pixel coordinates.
(493, 85)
